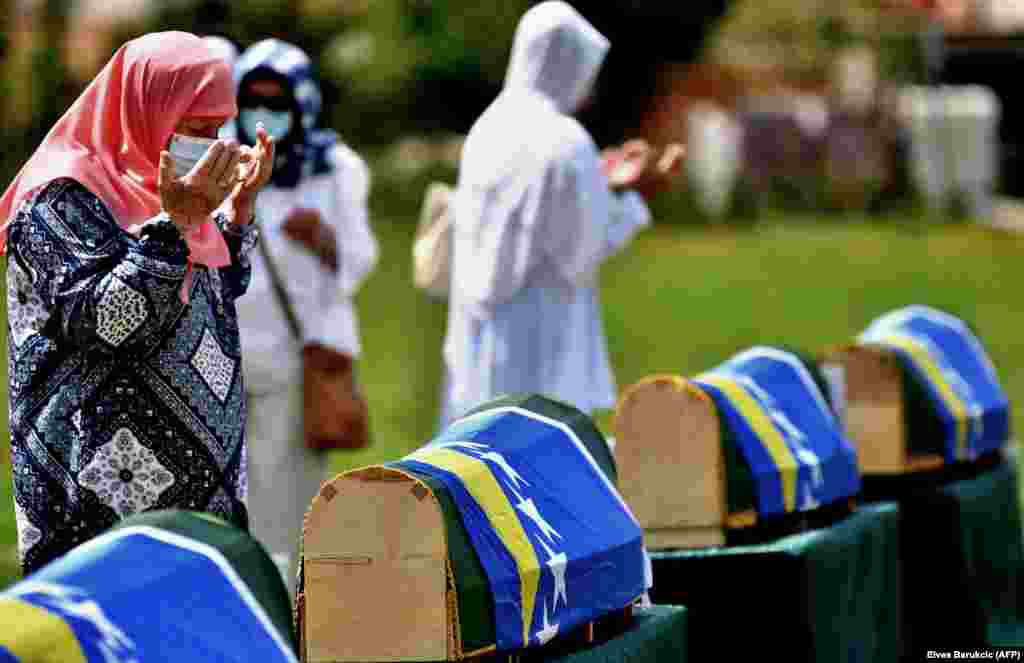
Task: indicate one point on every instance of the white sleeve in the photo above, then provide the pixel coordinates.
(358, 253)
(494, 247)
(589, 223)
(630, 216)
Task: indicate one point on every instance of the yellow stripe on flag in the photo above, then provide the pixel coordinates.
(35, 635)
(765, 430)
(924, 361)
(478, 479)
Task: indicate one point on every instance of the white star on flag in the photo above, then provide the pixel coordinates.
(500, 461)
(114, 643)
(557, 564)
(811, 460)
(793, 436)
(477, 449)
(472, 446)
(546, 634)
(530, 509)
(809, 502)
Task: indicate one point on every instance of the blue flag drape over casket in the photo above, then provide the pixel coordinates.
(798, 455)
(942, 354)
(136, 595)
(558, 544)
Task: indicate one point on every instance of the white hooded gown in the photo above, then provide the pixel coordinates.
(534, 220)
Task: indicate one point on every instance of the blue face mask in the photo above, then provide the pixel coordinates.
(277, 123)
(187, 151)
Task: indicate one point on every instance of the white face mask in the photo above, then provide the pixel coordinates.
(187, 151)
(277, 123)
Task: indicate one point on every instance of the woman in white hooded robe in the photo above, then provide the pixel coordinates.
(534, 218)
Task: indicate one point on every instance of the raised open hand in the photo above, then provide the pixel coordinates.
(254, 170)
(189, 200)
(666, 168)
(627, 165)
(640, 167)
(671, 162)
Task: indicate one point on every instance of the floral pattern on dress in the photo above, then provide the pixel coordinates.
(215, 367)
(29, 316)
(28, 534)
(241, 485)
(121, 311)
(125, 475)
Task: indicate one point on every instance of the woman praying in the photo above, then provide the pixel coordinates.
(127, 235)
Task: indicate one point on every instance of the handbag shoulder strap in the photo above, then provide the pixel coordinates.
(279, 289)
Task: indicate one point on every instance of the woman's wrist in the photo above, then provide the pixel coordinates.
(244, 209)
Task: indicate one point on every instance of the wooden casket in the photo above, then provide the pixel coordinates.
(749, 447)
(922, 402)
(917, 391)
(505, 533)
(745, 486)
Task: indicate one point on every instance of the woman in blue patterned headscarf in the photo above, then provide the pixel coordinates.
(315, 229)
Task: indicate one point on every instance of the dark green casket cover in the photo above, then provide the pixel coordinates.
(964, 561)
(826, 595)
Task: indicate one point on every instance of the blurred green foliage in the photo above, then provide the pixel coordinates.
(395, 68)
(49, 90)
(388, 67)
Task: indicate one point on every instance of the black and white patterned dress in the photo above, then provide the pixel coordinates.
(122, 399)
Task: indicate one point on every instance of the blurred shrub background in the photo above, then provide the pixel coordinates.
(406, 72)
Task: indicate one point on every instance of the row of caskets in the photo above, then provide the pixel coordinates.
(857, 504)
(851, 505)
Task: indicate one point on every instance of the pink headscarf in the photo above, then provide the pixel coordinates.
(111, 138)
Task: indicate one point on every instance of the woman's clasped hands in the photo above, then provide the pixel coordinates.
(227, 171)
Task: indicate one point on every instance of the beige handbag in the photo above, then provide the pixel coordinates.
(432, 249)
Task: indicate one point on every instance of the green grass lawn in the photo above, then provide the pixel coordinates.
(683, 300)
